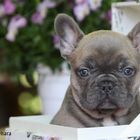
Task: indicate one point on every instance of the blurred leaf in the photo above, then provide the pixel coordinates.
(34, 43)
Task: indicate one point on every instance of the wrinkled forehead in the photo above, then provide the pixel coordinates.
(104, 46)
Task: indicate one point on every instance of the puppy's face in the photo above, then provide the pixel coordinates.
(104, 67)
(105, 72)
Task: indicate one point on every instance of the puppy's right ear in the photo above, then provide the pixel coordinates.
(134, 36)
(69, 33)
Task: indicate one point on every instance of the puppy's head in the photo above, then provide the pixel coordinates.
(104, 66)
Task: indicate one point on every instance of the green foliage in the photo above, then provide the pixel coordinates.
(34, 43)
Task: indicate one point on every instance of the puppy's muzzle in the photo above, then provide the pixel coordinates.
(106, 86)
(107, 91)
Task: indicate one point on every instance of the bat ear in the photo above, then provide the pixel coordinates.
(134, 36)
(69, 33)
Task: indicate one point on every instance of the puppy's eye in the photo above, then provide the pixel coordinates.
(128, 71)
(83, 72)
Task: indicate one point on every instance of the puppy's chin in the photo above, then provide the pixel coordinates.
(102, 113)
(105, 109)
(107, 104)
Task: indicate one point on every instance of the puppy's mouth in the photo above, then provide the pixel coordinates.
(106, 111)
(107, 107)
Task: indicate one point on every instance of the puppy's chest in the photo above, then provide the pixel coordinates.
(109, 121)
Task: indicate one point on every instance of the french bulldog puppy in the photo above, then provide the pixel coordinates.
(105, 76)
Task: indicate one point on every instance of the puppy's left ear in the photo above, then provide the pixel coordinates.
(134, 36)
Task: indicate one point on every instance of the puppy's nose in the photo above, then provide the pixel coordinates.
(106, 86)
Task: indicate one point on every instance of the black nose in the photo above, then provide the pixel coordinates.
(106, 86)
